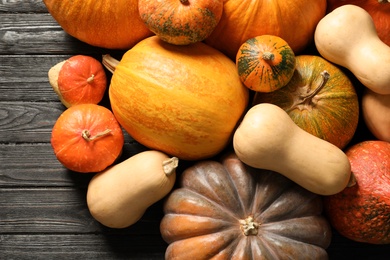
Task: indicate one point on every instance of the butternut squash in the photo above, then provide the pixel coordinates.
(119, 196)
(267, 138)
(347, 37)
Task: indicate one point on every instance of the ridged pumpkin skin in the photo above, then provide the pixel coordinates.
(292, 20)
(326, 108)
(378, 9)
(113, 24)
(227, 210)
(182, 100)
(362, 212)
(181, 22)
(265, 63)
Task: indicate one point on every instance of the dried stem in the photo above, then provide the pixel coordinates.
(87, 135)
(109, 62)
(170, 165)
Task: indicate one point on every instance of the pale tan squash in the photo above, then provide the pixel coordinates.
(347, 36)
(119, 196)
(267, 138)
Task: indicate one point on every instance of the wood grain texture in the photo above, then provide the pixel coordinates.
(43, 212)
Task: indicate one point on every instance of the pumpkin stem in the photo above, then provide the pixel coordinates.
(308, 97)
(185, 2)
(383, 1)
(90, 79)
(109, 62)
(170, 165)
(87, 135)
(249, 226)
(268, 56)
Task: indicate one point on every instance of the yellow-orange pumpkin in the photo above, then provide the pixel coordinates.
(113, 24)
(292, 20)
(184, 100)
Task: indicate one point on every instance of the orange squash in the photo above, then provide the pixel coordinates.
(292, 20)
(113, 24)
(181, 21)
(78, 80)
(87, 138)
(378, 9)
(184, 100)
(265, 63)
(320, 98)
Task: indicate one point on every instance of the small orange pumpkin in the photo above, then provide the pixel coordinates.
(104, 23)
(80, 79)
(181, 22)
(184, 100)
(87, 138)
(265, 63)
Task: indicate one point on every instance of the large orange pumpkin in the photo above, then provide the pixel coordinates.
(292, 20)
(378, 9)
(113, 24)
(184, 100)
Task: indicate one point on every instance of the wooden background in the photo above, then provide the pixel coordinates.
(43, 214)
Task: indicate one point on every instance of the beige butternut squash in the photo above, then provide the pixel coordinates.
(267, 138)
(347, 36)
(119, 196)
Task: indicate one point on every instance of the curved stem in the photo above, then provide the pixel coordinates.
(90, 79)
(109, 62)
(308, 97)
(170, 165)
(87, 135)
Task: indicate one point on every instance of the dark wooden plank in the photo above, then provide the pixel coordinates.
(22, 6)
(22, 33)
(25, 77)
(83, 247)
(61, 210)
(35, 165)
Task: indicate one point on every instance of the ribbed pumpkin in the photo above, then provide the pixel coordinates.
(265, 63)
(320, 98)
(292, 20)
(113, 24)
(378, 9)
(184, 100)
(181, 21)
(227, 210)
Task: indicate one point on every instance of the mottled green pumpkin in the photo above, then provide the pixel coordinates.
(320, 98)
(265, 63)
(181, 22)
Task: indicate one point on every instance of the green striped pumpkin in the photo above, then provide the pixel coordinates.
(320, 98)
(265, 63)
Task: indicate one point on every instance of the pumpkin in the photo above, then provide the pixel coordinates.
(320, 98)
(104, 23)
(80, 79)
(347, 37)
(362, 212)
(87, 138)
(227, 210)
(376, 113)
(379, 10)
(267, 138)
(265, 63)
(181, 21)
(119, 196)
(184, 100)
(292, 20)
